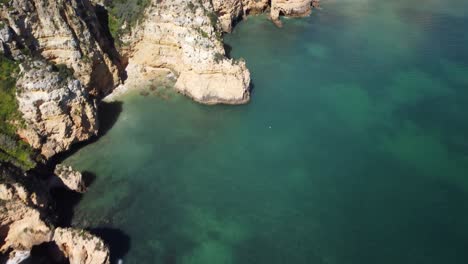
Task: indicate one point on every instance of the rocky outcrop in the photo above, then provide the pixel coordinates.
(23, 206)
(230, 11)
(25, 222)
(184, 37)
(56, 108)
(65, 32)
(73, 180)
(81, 247)
(290, 8)
(181, 36)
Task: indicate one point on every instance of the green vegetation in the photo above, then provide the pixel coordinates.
(125, 12)
(63, 71)
(12, 149)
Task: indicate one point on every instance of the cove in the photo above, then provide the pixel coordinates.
(354, 148)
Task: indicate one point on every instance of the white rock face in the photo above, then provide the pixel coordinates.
(72, 179)
(56, 109)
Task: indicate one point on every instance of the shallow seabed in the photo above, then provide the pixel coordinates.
(354, 149)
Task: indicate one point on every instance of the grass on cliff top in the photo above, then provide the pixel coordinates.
(127, 12)
(12, 149)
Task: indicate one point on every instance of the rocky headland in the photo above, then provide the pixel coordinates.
(60, 58)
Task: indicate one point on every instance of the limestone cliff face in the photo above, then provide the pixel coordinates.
(56, 108)
(230, 11)
(69, 33)
(23, 205)
(181, 36)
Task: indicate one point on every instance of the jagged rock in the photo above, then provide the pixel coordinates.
(25, 221)
(24, 224)
(81, 247)
(56, 109)
(72, 179)
(230, 11)
(69, 33)
(23, 204)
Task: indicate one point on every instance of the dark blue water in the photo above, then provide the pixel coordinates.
(354, 149)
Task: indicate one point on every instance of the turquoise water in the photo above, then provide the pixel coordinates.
(354, 149)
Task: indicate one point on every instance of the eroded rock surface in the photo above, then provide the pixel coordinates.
(65, 32)
(23, 206)
(56, 108)
(71, 178)
(181, 36)
(81, 247)
(25, 221)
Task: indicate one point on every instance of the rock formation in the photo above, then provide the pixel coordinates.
(56, 108)
(80, 247)
(184, 37)
(68, 60)
(25, 221)
(65, 32)
(181, 36)
(72, 179)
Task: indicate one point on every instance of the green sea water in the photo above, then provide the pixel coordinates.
(353, 150)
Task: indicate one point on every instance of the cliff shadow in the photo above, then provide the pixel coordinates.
(46, 253)
(65, 203)
(227, 50)
(118, 241)
(108, 115)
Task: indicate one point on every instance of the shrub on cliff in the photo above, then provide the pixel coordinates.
(126, 12)
(12, 149)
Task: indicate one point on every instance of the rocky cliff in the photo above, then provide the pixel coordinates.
(26, 220)
(185, 37)
(64, 32)
(181, 37)
(68, 62)
(56, 108)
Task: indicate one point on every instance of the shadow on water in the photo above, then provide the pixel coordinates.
(227, 49)
(66, 200)
(46, 253)
(116, 239)
(108, 114)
